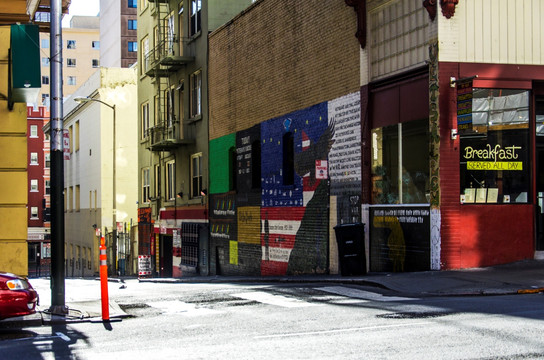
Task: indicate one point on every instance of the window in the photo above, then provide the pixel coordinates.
(144, 54)
(34, 185)
(45, 80)
(45, 99)
(196, 8)
(196, 175)
(76, 198)
(76, 136)
(288, 159)
(71, 80)
(400, 163)
(45, 61)
(196, 93)
(71, 62)
(70, 198)
(170, 180)
(48, 160)
(71, 138)
(70, 44)
(95, 63)
(47, 187)
(132, 46)
(494, 148)
(95, 45)
(45, 43)
(157, 181)
(145, 119)
(145, 185)
(33, 131)
(34, 212)
(33, 158)
(132, 24)
(132, 3)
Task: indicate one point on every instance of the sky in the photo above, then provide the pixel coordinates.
(81, 7)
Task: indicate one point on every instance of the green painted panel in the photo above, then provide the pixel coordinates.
(25, 63)
(220, 164)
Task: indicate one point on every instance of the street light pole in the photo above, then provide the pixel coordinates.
(81, 100)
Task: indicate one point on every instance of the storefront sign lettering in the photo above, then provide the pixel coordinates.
(493, 153)
(497, 165)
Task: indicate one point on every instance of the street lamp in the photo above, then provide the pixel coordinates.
(81, 100)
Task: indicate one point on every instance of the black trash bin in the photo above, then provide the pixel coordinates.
(351, 248)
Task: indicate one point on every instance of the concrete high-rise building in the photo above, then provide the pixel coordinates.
(81, 56)
(118, 38)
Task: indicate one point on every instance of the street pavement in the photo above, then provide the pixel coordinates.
(521, 277)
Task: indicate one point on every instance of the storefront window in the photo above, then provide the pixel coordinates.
(494, 148)
(402, 146)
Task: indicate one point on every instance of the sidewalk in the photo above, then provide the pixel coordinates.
(516, 278)
(520, 277)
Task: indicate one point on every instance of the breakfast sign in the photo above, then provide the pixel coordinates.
(493, 157)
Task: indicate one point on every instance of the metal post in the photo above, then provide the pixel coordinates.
(58, 305)
(114, 243)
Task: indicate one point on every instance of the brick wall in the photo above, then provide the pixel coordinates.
(278, 57)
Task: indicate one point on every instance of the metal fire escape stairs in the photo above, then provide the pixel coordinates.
(164, 60)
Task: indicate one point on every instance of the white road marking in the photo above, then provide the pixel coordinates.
(277, 300)
(360, 294)
(338, 330)
(180, 307)
(63, 336)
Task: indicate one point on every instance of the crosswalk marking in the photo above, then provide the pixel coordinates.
(271, 299)
(360, 294)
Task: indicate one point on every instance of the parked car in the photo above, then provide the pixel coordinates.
(17, 296)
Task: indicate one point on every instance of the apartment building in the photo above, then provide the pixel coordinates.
(81, 56)
(118, 38)
(173, 130)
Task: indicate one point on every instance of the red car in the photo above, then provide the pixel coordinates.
(17, 296)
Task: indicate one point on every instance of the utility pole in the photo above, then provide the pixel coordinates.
(58, 305)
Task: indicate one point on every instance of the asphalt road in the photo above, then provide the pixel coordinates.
(286, 321)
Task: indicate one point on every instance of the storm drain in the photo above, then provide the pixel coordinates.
(414, 315)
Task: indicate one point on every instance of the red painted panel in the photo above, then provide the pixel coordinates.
(477, 235)
(384, 110)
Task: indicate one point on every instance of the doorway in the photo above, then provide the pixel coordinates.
(539, 111)
(166, 255)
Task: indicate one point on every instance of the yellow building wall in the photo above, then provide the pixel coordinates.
(13, 174)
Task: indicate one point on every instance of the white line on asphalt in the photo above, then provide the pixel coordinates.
(277, 300)
(63, 337)
(338, 330)
(360, 294)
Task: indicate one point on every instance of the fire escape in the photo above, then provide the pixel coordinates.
(167, 57)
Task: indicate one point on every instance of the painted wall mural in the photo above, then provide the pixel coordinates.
(295, 215)
(345, 157)
(285, 170)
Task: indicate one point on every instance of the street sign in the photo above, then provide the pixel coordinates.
(144, 265)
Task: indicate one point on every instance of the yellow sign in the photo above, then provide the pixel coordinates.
(233, 253)
(497, 165)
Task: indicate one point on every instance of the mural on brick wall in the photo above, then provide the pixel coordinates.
(345, 157)
(294, 206)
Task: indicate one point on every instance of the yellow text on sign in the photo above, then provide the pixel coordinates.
(497, 165)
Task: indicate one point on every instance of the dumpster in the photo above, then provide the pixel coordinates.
(351, 248)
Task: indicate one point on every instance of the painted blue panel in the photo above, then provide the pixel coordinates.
(307, 126)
